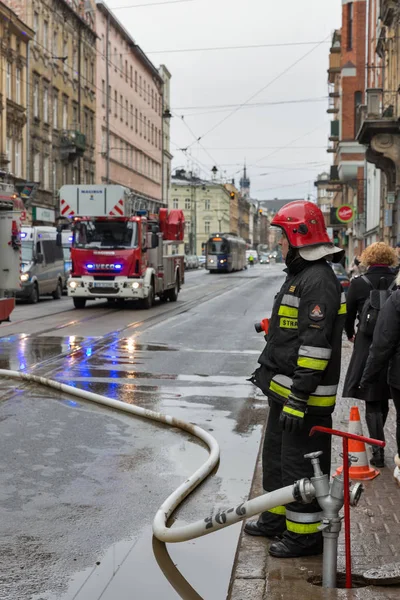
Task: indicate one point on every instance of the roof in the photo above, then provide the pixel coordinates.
(102, 6)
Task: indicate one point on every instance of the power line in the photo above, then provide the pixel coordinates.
(261, 90)
(246, 47)
(150, 4)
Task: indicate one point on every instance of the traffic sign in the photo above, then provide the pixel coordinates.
(345, 213)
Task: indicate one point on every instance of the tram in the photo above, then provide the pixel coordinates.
(225, 252)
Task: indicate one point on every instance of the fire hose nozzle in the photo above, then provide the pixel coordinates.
(262, 326)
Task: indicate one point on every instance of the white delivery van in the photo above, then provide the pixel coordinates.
(42, 264)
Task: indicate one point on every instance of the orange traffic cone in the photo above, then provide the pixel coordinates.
(361, 469)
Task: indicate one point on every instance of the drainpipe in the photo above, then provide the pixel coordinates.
(28, 115)
(107, 101)
(79, 94)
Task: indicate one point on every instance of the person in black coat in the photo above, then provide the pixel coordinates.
(385, 350)
(379, 258)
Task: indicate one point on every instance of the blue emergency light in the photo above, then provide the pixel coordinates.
(23, 234)
(90, 266)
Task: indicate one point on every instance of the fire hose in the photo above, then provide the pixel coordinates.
(329, 495)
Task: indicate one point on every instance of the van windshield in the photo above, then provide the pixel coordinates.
(27, 251)
(99, 233)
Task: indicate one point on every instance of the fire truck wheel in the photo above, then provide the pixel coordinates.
(57, 294)
(173, 294)
(79, 302)
(149, 301)
(34, 295)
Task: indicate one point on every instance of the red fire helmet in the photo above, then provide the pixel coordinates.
(303, 224)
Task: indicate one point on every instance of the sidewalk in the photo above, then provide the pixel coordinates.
(375, 534)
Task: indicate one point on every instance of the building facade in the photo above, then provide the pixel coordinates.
(206, 206)
(61, 103)
(346, 81)
(379, 130)
(129, 113)
(166, 133)
(15, 36)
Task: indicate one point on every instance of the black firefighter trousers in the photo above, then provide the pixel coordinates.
(283, 464)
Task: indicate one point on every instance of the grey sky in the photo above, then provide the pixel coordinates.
(232, 76)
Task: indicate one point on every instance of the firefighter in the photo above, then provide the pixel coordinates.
(299, 372)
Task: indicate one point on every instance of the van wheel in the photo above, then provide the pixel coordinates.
(149, 301)
(173, 294)
(34, 296)
(79, 302)
(58, 291)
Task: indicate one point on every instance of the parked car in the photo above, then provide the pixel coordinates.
(264, 259)
(342, 276)
(191, 261)
(202, 260)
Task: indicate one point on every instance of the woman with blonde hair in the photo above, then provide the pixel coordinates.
(379, 260)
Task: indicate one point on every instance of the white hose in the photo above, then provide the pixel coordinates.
(160, 529)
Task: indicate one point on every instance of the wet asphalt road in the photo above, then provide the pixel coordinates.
(80, 484)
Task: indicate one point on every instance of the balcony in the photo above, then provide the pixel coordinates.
(380, 116)
(334, 137)
(333, 107)
(388, 11)
(72, 145)
(334, 64)
(380, 132)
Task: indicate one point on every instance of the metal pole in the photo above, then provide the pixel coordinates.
(79, 93)
(347, 510)
(108, 99)
(28, 115)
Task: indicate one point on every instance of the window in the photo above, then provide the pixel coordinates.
(115, 59)
(350, 25)
(206, 226)
(126, 71)
(18, 159)
(126, 112)
(36, 25)
(145, 127)
(54, 176)
(55, 43)
(156, 137)
(74, 60)
(103, 44)
(159, 139)
(135, 81)
(18, 86)
(207, 204)
(121, 107)
(131, 116)
(136, 120)
(140, 124)
(115, 103)
(55, 110)
(121, 65)
(45, 34)
(140, 85)
(175, 203)
(46, 105)
(357, 115)
(65, 53)
(148, 94)
(65, 114)
(9, 81)
(103, 92)
(36, 99)
(46, 173)
(36, 167)
(131, 76)
(85, 69)
(75, 117)
(91, 72)
(152, 98)
(188, 203)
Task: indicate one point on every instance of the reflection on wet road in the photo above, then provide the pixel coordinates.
(79, 485)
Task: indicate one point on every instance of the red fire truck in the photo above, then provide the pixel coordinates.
(11, 209)
(117, 252)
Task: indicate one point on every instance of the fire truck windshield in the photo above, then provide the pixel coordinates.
(100, 233)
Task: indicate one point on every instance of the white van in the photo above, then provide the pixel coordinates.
(42, 264)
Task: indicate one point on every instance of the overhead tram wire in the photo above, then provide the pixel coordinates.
(262, 89)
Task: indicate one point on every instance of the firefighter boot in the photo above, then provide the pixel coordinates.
(293, 546)
(376, 431)
(254, 528)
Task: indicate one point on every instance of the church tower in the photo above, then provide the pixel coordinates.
(245, 184)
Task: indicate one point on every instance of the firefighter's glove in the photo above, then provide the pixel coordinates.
(292, 415)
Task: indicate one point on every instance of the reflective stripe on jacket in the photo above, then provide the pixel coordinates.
(303, 351)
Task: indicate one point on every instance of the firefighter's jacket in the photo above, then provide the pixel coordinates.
(303, 351)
